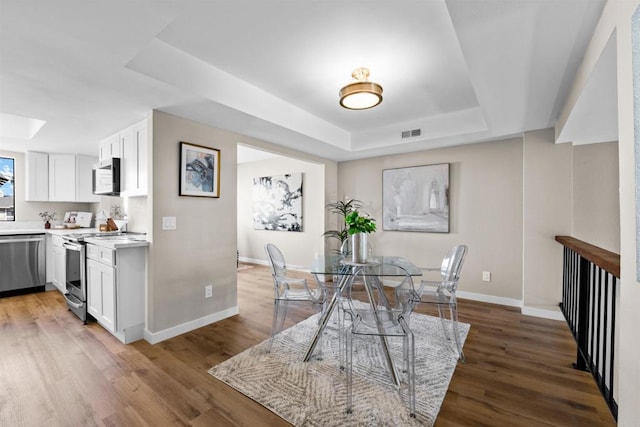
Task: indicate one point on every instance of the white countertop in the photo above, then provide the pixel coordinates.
(107, 240)
(119, 242)
(10, 232)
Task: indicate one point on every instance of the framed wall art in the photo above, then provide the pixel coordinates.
(416, 199)
(277, 202)
(199, 170)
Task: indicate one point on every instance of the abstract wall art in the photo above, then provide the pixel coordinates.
(277, 202)
(416, 199)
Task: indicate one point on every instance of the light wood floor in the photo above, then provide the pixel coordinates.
(56, 371)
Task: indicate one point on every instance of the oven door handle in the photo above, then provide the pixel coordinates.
(72, 247)
(70, 299)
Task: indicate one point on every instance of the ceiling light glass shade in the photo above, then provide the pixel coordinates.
(362, 94)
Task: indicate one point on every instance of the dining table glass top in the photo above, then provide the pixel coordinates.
(339, 265)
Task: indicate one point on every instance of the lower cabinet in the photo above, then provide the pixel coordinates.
(115, 290)
(55, 262)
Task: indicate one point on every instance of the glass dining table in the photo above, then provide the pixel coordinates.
(345, 270)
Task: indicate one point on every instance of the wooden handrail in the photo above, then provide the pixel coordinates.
(607, 260)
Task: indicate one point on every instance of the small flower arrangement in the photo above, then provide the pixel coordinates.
(47, 216)
(357, 223)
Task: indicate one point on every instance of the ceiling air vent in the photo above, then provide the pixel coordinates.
(411, 133)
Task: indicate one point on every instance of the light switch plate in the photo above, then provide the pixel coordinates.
(486, 276)
(168, 222)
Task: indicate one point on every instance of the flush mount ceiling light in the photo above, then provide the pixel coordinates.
(361, 94)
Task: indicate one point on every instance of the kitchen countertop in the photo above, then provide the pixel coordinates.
(119, 242)
(107, 240)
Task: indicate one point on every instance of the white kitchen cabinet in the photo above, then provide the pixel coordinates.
(84, 179)
(62, 177)
(37, 172)
(55, 263)
(70, 178)
(115, 289)
(134, 159)
(109, 147)
(101, 294)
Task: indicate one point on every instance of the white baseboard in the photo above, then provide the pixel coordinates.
(264, 262)
(174, 331)
(511, 302)
(546, 313)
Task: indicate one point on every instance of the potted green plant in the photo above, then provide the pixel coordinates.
(342, 208)
(358, 227)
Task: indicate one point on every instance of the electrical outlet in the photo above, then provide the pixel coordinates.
(208, 291)
(486, 276)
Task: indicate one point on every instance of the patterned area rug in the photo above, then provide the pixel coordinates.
(314, 393)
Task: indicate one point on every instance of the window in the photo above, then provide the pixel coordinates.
(7, 198)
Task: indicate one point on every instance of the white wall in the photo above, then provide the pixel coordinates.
(299, 248)
(629, 314)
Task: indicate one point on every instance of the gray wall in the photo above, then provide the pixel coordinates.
(508, 200)
(485, 205)
(596, 196)
(202, 250)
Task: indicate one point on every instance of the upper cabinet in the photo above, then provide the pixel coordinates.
(59, 177)
(37, 185)
(109, 147)
(130, 145)
(62, 177)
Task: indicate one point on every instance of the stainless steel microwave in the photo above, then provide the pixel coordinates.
(106, 177)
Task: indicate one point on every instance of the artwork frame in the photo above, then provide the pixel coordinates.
(416, 198)
(199, 170)
(278, 202)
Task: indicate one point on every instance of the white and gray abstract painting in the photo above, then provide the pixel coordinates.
(277, 202)
(416, 199)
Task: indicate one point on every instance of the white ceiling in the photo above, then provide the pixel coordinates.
(461, 71)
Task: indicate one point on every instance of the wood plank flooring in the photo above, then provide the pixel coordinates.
(55, 371)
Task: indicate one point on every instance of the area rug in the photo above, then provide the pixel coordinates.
(314, 393)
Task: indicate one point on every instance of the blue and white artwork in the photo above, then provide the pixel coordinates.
(277, 202)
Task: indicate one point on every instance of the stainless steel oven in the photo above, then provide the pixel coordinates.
(76, 282)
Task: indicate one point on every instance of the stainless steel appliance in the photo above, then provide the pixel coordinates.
(106, 177)
(22, 263)
(76, 276)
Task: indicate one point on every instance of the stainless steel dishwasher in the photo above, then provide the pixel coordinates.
(22, 263)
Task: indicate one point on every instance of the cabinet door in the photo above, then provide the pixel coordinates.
(62, 177)
(84, 179)
(109, 147)
(101, 294)
(140, 139)
(37, 177)
(128, 160)
(59, 268)
(94, 289)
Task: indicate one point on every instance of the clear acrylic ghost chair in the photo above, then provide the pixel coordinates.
(289, 290)
(385, 315)
(442, 293)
